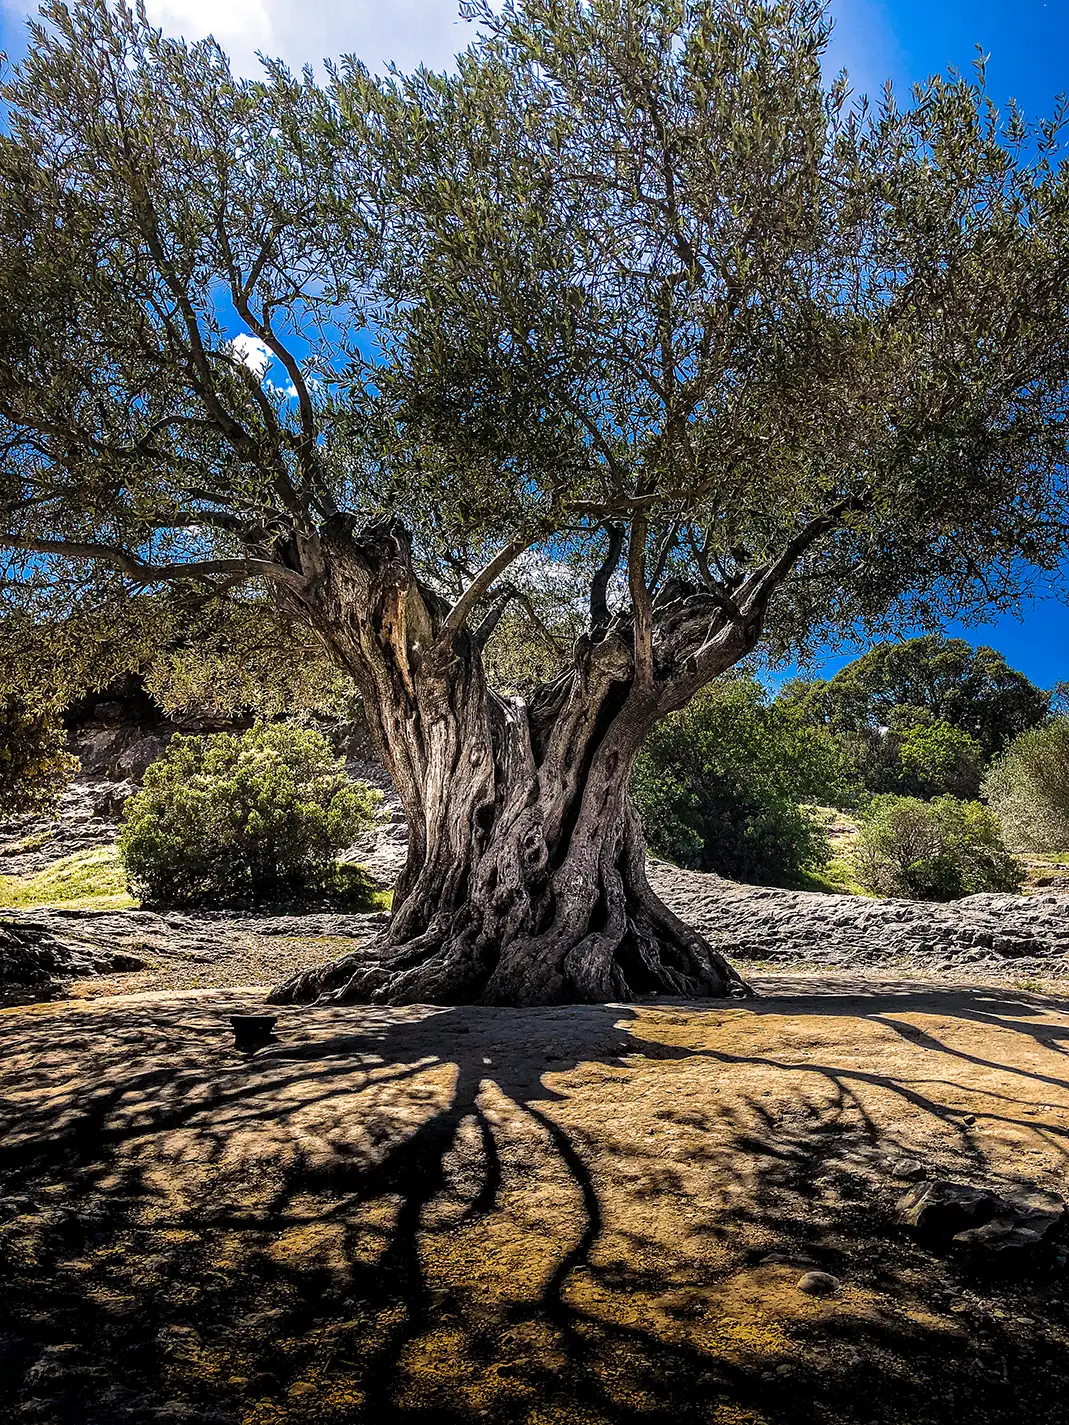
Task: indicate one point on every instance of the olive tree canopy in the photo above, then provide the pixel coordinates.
(634, 292)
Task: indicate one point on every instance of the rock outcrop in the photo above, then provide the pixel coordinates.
(760, 923)
(1015, 1230)
(36, 960)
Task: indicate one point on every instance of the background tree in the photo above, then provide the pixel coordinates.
(34, 763)
(973, 689)
(1028, 786)
(937, 758)
(634, 290)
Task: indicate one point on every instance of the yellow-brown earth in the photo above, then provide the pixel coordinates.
(576, 1215)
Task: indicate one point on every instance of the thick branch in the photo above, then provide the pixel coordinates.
(485, 631)
(762, 583)
(641, 603)
(480, 585)
(146, 573)
(599, 585)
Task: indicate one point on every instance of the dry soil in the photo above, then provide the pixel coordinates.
(580, 1215)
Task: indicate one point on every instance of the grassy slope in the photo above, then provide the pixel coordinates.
(88, 880)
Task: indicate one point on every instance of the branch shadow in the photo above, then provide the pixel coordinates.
(579, 1214)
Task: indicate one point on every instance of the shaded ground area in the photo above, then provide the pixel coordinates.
(580, 1215)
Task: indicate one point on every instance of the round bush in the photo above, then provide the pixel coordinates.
(1029, 788)
(245, 817)
(932, 851)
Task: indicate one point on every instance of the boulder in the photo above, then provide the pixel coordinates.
(1018, 1229)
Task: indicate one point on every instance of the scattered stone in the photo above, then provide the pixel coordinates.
(908, 1168)
(17, 1206)
(818, 1284)
(264, 1384)
(942, 1209)
(1014, 1229)
(38, 953)
(55, 1364)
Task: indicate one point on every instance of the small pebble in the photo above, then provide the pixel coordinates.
(909, 1168)
(818, 1284)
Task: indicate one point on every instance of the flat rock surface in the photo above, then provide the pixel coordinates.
(85, 819)
(979, 933)
(176, 950)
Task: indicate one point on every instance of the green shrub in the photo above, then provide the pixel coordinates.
(932, 851)
(718, 787)
(247, 817)
(34, 763)
(1028, 786)
(915, 755)
(935, 759)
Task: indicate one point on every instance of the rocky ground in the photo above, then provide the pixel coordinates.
(839, 1202)
(1023, 940)
(1028, 935)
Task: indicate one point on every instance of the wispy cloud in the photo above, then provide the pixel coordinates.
(409, 32)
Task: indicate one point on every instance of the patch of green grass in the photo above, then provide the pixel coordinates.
(28, 843)
(837, 878)
(88, 880)
(346, 886)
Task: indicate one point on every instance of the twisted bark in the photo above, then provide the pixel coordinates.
(525, 881)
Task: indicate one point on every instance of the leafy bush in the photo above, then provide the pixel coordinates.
(915, 755)
(34, 763)
(718, 787)
(1028, 786)
(932, 851)
(935, 758)
(250, 816)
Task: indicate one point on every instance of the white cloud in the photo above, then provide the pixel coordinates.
(412, 32)
(252, 352)
(409, 32)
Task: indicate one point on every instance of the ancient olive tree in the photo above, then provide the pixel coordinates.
(633, 293)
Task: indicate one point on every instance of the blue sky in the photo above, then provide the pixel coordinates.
(1027, 45)
(1026, 41)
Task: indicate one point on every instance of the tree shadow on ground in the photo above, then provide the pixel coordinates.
(580, 1214)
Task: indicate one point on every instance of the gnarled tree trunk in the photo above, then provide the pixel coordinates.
(525, 881)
